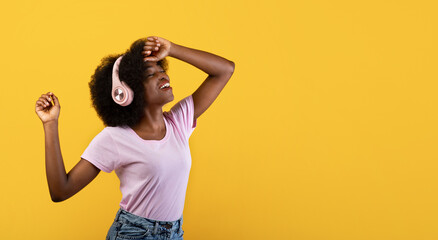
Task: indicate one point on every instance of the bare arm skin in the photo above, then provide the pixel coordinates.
(61, 185)
(219, 69)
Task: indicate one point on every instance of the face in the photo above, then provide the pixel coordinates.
(155, 77)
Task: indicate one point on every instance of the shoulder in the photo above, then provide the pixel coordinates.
(110, 133)
(119, 132)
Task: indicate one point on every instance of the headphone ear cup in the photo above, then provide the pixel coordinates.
(129, 94)
(123, 94)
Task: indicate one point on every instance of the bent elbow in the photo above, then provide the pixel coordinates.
(232, 65)
(57, 199)
(228, 71)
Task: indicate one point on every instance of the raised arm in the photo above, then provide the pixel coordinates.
(219, 69)
(61, 185)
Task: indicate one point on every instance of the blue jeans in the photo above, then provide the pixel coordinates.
(129, 226)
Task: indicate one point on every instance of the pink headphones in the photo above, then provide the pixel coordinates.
(121, 93)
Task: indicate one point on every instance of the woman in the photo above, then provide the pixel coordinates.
(147, 148)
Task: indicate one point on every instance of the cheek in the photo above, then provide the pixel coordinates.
(149, 90)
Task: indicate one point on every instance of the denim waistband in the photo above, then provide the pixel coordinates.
(146, 223)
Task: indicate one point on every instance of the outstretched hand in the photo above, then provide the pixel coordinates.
(156, 48)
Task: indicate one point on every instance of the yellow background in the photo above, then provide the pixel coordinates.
(327, 129)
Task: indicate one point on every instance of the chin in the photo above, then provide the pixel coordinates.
(171, 98)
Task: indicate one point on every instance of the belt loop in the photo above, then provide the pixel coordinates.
(179, 225)
(156, 227)
(118, 214)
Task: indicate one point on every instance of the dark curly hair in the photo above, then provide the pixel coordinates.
(132, 71)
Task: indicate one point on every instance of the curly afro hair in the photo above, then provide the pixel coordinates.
(132, 71)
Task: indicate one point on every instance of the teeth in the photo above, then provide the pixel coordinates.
(165, 85)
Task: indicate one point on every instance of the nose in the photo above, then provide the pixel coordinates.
(164, 77)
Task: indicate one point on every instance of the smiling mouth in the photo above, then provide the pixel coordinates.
(166, 85)
(167, 89)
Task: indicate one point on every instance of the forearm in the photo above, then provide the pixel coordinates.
(55, 170)
(209, 63)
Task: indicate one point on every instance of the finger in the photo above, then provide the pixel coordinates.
(41, 104)
(38, 107)
(153, 48)
(45, 97)
(49, 99)
(44, 101)
(152, 59)
(56, 101)
(150, 43)
(49, 94)
(153, 38)
(146, 52)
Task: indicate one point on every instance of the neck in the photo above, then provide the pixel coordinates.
(152, 120)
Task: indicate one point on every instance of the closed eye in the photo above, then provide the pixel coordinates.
(154, 73)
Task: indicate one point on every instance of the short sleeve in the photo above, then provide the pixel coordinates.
(102, 152)
(183, 113)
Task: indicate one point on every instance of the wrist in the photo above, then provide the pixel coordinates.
(50, 124)
(172, 49)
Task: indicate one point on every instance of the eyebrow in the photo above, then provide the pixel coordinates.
(148, 69)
